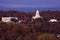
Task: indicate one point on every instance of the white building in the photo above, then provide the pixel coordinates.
(53, 20)
(19, 21)
(7, 19)
(37, 15)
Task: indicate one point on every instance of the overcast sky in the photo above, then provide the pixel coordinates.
(9, 4)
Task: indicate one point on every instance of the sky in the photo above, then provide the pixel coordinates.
(29, 5)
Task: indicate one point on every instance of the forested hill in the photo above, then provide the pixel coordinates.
(33, 31)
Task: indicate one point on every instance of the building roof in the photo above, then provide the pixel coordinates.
(53, 20)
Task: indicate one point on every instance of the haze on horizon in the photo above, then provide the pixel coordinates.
(29, 5)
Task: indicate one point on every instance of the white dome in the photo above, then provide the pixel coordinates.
(37, 15)
(53, 20)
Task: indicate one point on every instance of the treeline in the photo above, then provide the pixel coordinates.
(41, 31)
(27, 15)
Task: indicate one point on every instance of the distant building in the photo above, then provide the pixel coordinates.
(58, 36)
(19, 21)
(37, 15)
(8, 19)
(53, 20)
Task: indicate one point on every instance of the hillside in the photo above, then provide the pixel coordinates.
(10, 31)
(37, 30)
